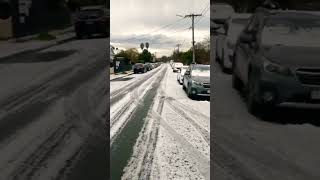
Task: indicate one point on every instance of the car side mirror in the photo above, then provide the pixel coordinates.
(5, 10)
(246, 38)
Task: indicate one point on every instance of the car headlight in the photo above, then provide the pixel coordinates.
(197, 83)
(276, 68)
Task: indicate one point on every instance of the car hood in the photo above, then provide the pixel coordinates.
(293, 56)
(201, 78)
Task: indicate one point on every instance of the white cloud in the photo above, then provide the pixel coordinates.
(135, 21)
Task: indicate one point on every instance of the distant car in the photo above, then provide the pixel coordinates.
(148, 66)
(276, 60)
(177, 67)
(196, 80)
(153, 65)
(92, 20)
(181, 74)
(226, 46)
(139, 67)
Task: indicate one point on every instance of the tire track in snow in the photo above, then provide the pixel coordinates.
(202, 162)
(124, 113)
(123, 145)
(142, 159)
(118, 94)
(204, 133)
(37, 159)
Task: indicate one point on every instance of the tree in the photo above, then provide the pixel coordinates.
(147, 45)
(145, 56)
(130, 55)
(133, 55)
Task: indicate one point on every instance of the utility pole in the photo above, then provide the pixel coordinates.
(193, 51)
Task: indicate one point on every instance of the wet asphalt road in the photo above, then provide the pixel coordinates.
(43, 135)
(122, 145)
(282, 144)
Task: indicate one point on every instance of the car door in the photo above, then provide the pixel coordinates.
(245, 50)
(186, 77)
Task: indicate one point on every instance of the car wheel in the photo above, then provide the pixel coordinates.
(78, 35)
(224, 68)
(251, 100)
(189, 92)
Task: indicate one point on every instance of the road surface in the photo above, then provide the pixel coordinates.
(156, 131)
(279, 145)
(52, 105)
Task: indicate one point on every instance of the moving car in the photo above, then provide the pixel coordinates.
(226, 45)
(139, 67)
(196, 80)
(181, 74)
(92, 20)
(177, 67)
(277, 59)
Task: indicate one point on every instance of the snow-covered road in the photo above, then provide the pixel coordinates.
(156, 131)
(51, 106)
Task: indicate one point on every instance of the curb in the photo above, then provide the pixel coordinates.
(54, 32)
(122, 76)
(61, 41)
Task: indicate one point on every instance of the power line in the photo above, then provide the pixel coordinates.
(204, 12)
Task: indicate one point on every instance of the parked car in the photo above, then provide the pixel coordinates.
(196, 80)
(181, 74)
(92, 20)
(139, 67)
(276, 59)
(221, 14)
(226, 45)
(177, 66)
(148, 66)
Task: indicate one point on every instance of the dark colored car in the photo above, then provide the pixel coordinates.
(276, 59)
(196, 80)
(92, 20)
(139, 67)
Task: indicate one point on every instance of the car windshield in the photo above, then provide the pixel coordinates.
(237, 26)
(201, 71)
(292, 30)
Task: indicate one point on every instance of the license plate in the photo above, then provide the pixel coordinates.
(315, 94)
(208, 91)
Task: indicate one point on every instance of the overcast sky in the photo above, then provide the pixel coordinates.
(137, 21)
